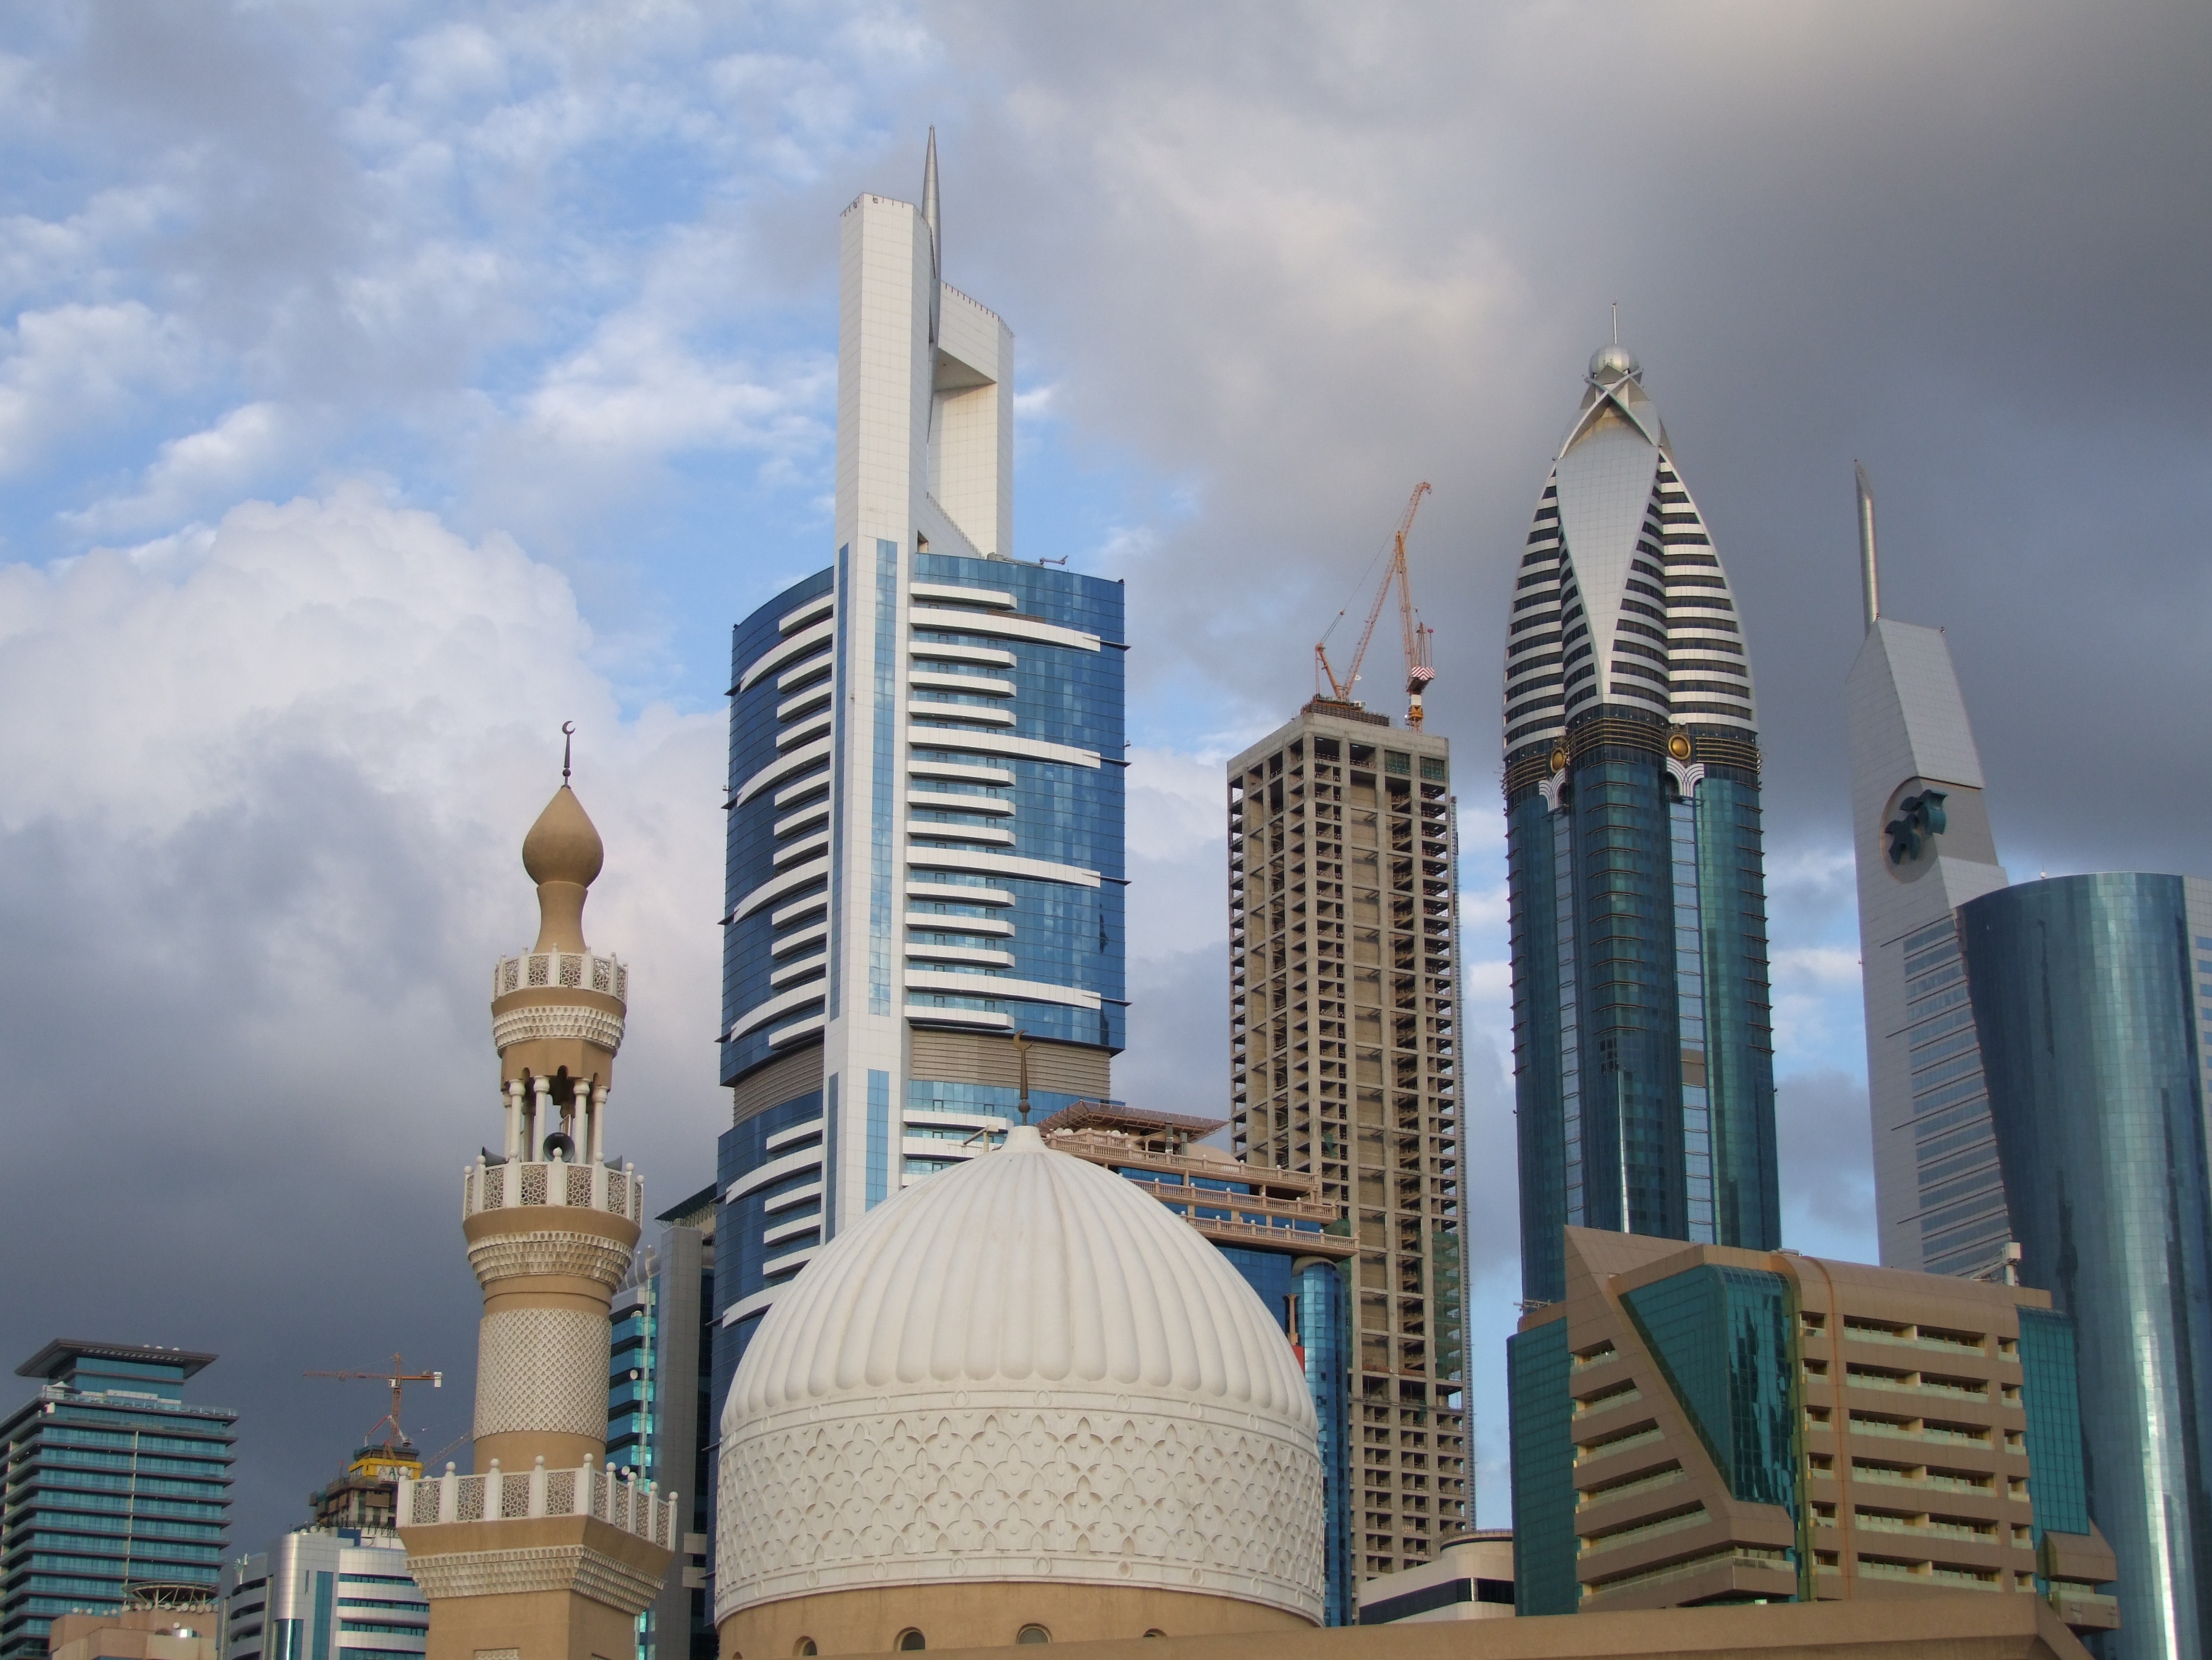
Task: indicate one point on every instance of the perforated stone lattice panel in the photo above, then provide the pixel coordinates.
(558, 1567)
(543, 1370)
(1220, 1503)
(560, 1022)
(550, 1250)
(533, 1184)
(580, 1186)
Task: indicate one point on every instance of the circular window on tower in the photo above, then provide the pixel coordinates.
(1033, 1634)
(911, 1638)
(1911, 829)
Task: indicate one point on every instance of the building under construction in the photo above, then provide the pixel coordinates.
(1344, 987)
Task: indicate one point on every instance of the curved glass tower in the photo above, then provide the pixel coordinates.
(1644, 1066)
(925, 855)
(2083, 991)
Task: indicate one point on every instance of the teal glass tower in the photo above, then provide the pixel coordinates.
(2085, 991)
(1644, 1067)
(111, 1481)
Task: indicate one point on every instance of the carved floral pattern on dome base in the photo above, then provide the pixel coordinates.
(1077, 1487)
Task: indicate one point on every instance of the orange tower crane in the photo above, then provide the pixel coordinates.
(1418, 670)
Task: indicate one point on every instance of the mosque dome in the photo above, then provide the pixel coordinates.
(1024, 1369)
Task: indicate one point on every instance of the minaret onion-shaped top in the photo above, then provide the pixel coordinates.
(563, 855)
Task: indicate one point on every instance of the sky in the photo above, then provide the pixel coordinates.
(382, 386)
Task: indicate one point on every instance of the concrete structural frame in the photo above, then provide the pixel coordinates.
(1697, 1425)
(1921, 838)
(1344, 975)
(1643, 1023)
(925, 852)
(2084, 992)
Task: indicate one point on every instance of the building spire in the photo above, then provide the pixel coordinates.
(1869, 584)
(935, 238)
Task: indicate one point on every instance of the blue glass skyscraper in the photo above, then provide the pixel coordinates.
(110, 1481)
(925, 847)
(1644, 1067)
(2084, 989)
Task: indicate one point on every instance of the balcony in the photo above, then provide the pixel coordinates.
(549, 970)
(616, 1498)
(578, 1187)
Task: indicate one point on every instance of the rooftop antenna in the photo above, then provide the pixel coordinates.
(1616, 322)
(568, 738)
(1869, 584)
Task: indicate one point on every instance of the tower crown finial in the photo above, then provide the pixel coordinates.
(563, 855)
(1869, 576)
(1610, 365)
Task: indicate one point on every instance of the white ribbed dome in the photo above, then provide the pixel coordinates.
(1022, 1367)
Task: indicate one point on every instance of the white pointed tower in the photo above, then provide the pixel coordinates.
(1920, 835)
(539, 1555)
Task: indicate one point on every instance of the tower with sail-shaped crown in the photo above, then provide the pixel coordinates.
(540, 1554)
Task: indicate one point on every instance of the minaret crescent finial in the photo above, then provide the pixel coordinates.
(567, 739)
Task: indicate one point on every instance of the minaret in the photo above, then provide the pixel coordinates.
(539, 1555)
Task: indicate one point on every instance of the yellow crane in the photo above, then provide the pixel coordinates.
(1419, 671)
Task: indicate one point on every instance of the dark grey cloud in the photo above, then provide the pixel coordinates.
(1303, 258)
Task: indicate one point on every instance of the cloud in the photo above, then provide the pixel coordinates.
(62, 368)
(258, 853)
(216, 463)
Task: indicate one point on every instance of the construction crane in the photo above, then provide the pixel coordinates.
(398, 1378)
(1418, 672)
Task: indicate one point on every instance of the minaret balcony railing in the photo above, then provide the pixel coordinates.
(615, 1497)
(562, 970)
(486, 1186)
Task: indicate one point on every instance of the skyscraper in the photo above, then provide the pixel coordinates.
(108, 1479)
(925, 852)
(1920, 833)
(658, 1426)
(2085, 998)
(1643, 1041)
(1343, 987)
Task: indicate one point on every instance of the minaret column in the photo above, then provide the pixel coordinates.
(540, 1554)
